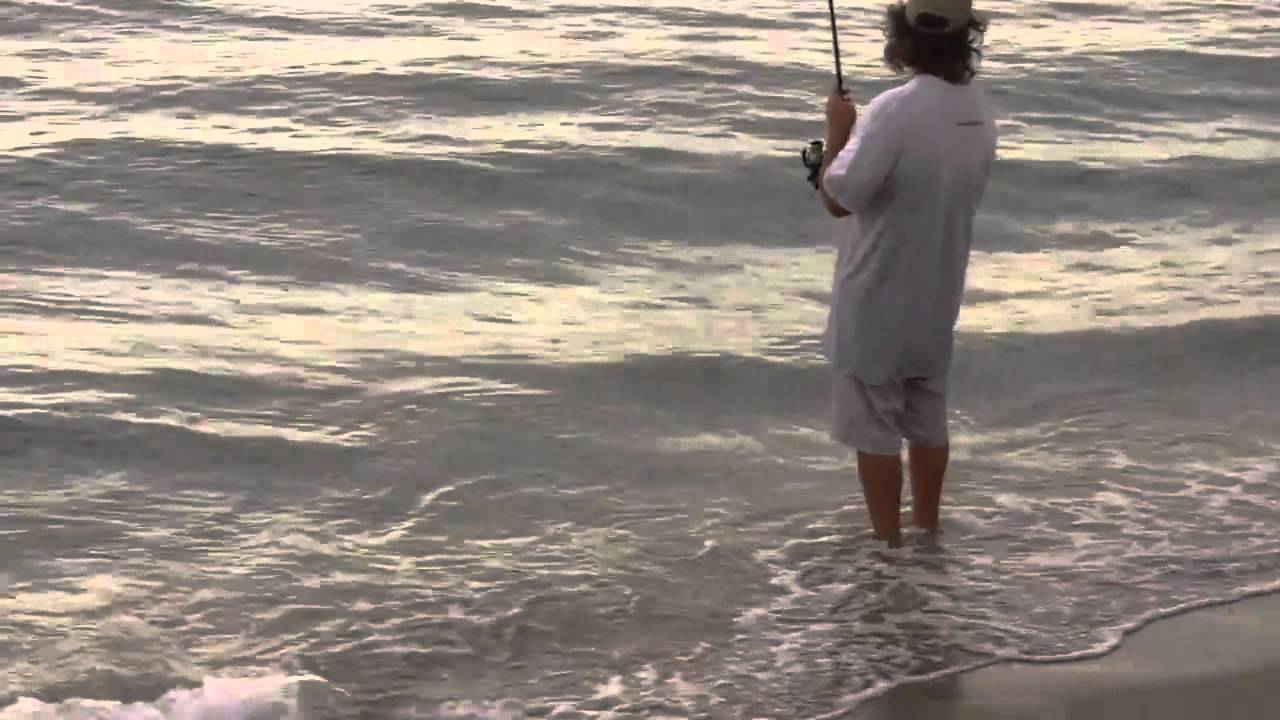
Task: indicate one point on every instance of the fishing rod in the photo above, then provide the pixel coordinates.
(835, 45)
(813, 152)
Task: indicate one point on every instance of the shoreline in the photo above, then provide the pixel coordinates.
(1218, 661)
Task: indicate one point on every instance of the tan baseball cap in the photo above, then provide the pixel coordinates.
(956, 13)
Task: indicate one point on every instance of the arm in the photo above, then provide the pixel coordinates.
(866, 157)
(835, 142)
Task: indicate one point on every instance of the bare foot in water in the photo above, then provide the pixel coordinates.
(892, 541)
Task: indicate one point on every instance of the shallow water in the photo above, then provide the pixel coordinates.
(461, 359)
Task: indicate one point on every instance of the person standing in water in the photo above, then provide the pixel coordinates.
(907, 180)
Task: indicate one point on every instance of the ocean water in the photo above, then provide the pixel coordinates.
(461, 359)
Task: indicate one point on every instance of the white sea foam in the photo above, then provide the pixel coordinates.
(271, 697)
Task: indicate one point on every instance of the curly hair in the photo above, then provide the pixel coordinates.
(952, 56)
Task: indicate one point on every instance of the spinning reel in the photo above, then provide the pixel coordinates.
(812, 156)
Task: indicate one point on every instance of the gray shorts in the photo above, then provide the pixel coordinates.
(876, 418)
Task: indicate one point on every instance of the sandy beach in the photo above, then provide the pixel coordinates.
(1219, 662)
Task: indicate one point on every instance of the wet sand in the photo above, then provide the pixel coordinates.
(1219, 662)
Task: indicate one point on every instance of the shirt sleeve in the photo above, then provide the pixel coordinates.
(865, 163)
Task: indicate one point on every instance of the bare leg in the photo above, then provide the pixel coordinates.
(881, 477)
(928, 466)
